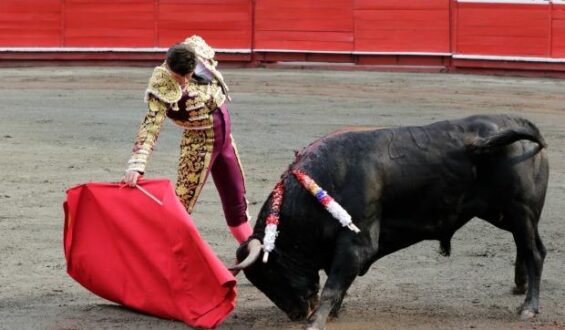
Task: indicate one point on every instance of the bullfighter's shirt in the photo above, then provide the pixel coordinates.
(190, 107)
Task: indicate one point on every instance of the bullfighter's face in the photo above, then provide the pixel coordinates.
(296, 295)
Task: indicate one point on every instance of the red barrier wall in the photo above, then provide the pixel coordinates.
(402, 26)
(558, 30)
(20, 26)
(124, 23)
(109, 23)
(503, 29)
(440, 33)
(312, 25)
(223, 23)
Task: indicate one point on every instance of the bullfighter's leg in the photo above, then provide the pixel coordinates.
(228, 177)
(196, 155)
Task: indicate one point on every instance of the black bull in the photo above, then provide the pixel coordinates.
(401, 186)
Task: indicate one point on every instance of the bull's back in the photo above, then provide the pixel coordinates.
(412, 165)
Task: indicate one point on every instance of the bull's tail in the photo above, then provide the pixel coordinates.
(491, 143)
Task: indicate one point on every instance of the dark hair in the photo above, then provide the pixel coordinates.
(181, 59)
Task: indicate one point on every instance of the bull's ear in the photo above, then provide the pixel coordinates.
(254, 248)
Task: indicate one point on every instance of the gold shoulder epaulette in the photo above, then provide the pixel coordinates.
(163, 87)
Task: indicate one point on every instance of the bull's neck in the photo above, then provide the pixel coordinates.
(293, 253)
(297, 260)
(297, 248)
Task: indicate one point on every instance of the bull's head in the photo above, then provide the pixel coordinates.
(292, 290)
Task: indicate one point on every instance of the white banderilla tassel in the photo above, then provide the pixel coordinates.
(269, 241)
(342, 215)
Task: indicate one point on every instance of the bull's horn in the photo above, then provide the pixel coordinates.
(254, 248)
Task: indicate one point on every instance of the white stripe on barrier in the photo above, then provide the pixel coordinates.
(531, 2)
(248, 51)
(403, 53)
(108, 49)
(263, 50)
(510, 58)
(348, 52)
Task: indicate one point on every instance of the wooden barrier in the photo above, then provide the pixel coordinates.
(119, 24)
(36, 23)
(441, 34)
(506, 29)
(558, 29)
(304, 25)
(402, 26)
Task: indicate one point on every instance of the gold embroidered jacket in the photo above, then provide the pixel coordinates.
(190, 107)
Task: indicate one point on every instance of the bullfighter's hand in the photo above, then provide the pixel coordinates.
(130, 178)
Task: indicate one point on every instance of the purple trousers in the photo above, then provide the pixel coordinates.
(213, 151)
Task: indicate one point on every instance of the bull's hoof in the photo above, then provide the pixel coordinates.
(310, 327)
(334, 314)
(527, 314)
(316, 325)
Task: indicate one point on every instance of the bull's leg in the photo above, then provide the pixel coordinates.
(337, 306)
(520, 275)
(531, 248)
(353, 253)
(344, 270)
(530, 253)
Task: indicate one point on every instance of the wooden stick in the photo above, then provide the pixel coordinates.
(150, 195)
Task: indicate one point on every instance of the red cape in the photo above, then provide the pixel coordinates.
(125, 247)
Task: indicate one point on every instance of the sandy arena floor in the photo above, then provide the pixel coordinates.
(64, 126)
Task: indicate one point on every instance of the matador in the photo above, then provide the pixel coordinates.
(198, 105)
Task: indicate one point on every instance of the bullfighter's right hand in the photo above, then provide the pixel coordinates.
(130, 178)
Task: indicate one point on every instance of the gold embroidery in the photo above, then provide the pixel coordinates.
(207, 98)
(163, 87)
(200, 47)
(147, 135)
(195, 155)
(234, 146)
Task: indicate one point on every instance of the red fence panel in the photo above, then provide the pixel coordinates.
(402, 26)
(109, 23)
(558, 30)
(504, 29)
(222, 23)
(30, 23)
(308, 25)
(343, 30)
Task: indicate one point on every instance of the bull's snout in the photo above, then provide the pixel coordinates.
(298, 315)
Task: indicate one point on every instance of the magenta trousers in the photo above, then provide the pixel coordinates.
(226, 170)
